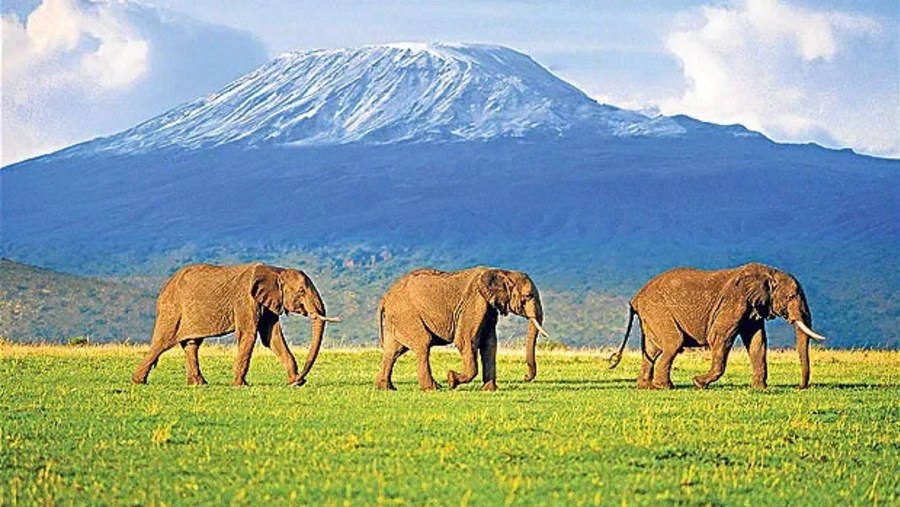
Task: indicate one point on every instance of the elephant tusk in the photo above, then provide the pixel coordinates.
(812, 334)
(539, 328)
(323, 318)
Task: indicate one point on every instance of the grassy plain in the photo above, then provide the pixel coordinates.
(74, 431)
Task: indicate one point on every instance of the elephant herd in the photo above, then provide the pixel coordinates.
(677, 309)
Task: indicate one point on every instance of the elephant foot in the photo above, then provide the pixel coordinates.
(760, 385)
(138, 380)
(664, 385)
(240, 383)
(434, 386)
(196, 381)
(384, 385)
(645, 384)
(452, 379)
(490, 385)
(700, 383)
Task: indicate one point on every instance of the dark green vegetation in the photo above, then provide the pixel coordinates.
(40, 305)
(73, 430)
(43, 305)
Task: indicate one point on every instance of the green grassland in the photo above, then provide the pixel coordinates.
(73, 430)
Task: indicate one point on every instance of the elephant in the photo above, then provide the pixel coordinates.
(687, 307)
(204, 300)
(428, 307)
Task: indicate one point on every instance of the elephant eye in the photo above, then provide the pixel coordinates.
(526, 297)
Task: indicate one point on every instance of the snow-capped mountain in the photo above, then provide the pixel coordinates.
(388, 93)
(460, 155)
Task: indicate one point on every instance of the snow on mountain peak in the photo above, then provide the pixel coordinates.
(386, 93)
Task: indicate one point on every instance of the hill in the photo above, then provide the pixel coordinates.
(40, 305)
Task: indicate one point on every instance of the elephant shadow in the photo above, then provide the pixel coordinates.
(587, 384)
(849, 386)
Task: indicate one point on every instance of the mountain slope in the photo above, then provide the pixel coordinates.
(591, 200)
(377, 94)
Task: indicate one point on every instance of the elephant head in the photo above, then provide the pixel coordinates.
(771, 293)
(514, 292)
(291, 291)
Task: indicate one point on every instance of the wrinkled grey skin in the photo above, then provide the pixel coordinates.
(687, 307)
(428, 307)
(203, 300)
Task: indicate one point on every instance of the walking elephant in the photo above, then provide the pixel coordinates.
(427, 307)
(688, 307)
(203, 300)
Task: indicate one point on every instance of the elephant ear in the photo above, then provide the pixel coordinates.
(755, 287)
(265, 287)
(493, 285)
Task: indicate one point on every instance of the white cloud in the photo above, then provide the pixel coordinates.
(65, 44)
(792, 73)
(75, 69)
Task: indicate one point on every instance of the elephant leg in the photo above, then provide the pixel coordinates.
(426, 379)
(192, 362)
(392, 350)
(470, 365)
(719, 351)
(755, 342)
(164, 332)
(668, 340)
(488, 350)
(662, 368)
(279, 345)
(149, 362)
(649, 354)
(246, 341)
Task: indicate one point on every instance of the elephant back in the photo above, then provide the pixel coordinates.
(205, 295)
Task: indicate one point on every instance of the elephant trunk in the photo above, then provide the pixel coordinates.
(535, 319)
(803, 350)
(802, 321)
(530, 344)
(318, 330)
(318, 320)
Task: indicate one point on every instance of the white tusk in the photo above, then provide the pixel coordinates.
(539, 328)
(323, 318)
(812, 334)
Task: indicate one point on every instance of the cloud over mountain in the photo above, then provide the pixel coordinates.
(789, 72)
(73, 69)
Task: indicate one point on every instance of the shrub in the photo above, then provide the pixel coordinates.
(79, 341)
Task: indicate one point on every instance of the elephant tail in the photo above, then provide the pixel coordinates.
(617, 356)
(380, 318)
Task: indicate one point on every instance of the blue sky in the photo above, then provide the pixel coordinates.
(799, 71)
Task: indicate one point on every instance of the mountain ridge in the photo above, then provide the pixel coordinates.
(402, 92)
